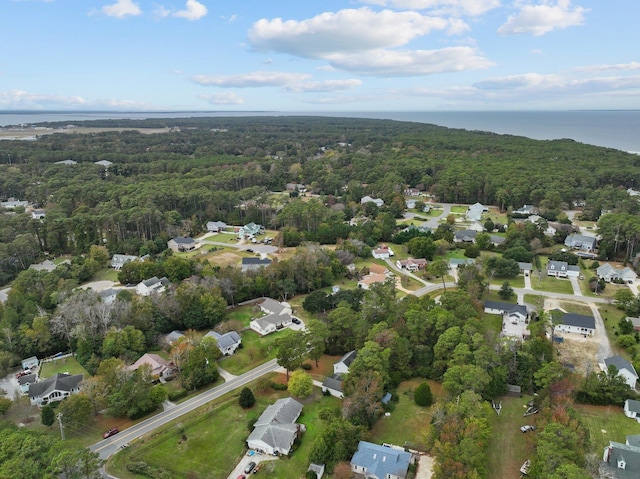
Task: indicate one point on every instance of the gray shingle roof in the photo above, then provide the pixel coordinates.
(633, 405)
(225, 340)
(506, 307)
(57, 382)
(276, 425)
(620, 363)
(348, 358)
(283, 411)
(579, 321)
(631, 457)
(333, 382)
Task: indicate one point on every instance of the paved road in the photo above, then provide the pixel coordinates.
(110, 446)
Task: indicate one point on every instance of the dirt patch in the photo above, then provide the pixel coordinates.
(425, 467)
(224, 259)
(579, 352)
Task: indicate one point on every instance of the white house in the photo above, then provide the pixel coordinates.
(383, 252)
(609, 273)
(632, 409)
(622, 461)
(412, 264)
(562, 269)
(108, 296)
(498, 307)
(625, 369)
(475, 212)
(276, 429)
(333, 385)
(55, 388)
(30, 363)
(151, 286)
(216, 226)
(227, 342)
(342, 366)
(577, 323)
(580, 242)
(38, 214)
(278, 316)
(367, 199)
(119, 260)
(380, 462)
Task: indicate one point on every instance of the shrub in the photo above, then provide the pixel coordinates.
(307, 366)
(246, 399)
(278, 386)
(178, 394)
(423, 395)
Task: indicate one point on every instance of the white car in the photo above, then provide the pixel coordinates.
(527, 428)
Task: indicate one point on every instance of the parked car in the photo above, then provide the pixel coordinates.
(250, 467)
(111, 432)
(527, 428)
(296, 321)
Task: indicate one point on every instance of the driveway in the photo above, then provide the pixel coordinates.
(604, 347)
(576, 286)
(257, 457)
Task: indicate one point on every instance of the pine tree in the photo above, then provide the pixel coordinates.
(247, 399)
(47, 416)
(423, 396)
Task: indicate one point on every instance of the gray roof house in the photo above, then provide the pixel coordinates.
(498, 307)
(151, 286)
(577, 323)
(380, 462)
(622, 461)
(474, 212)
(173, 337)
(119, 260)
(632, 409)
(278, 316)
(581, 242)
(342, 366)
(227, 342)
(625, 369)
(181, 244)
(276, 428)
(216, 226)
(251, 264)
(465, 236)
(609, 273)
(333, 384)
(55, 388)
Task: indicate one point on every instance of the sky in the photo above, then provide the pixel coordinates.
(319, 55)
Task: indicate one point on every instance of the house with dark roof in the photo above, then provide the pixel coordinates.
(251, 264)
(525, 268)
(173, 337)
(275, 430)
(151, 286)
(514, 318)
(333, 385)
(498, 307)
(580, 242)
(342, 366)
(119, 260)
(632, 409)
(624, 367)
(465, 236)
(56, 388)
(25, 382)
(227, 342)
(380, 462)
(180, 244)
(622, 461)
(577, 323)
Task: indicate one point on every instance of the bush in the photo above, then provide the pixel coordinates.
(144, 469)
(178, 394)
(278, 386)
(307, 366)
(246, 399)
(423, 395)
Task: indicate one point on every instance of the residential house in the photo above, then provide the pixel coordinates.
(46, 265)
(368, 199)
(181, 244)
(12, 204)
(635, 322)
(609, 274)
(580, 242)
(249, 231)
(227, 342)
(333, 385)
(525, 268)
(498, 307)
(465, 236)
(383, 252)
(159, 367)
(622, 461)
(527, 210)
(476, 226)
(410, 204)
(378, 269)
(104, 163)
(30, 363)
(66, 162)
(278, 316)
(318, 469)
(119, 260)
(577, 323)
(25, 382)
(624, 367)
(380, 462)
(497, 240)
(366, 281)
(412, 264)
(108, 296)
(412, 192)
(216, 226)
(275, 430)
(562, 269)
(342, 366)
(173, 337)
(151, 286)
(475, 212)
(38, 214)
(632, 409)
(252, 264)
(55, 388)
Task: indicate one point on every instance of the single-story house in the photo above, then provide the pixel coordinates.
(562, 269)
(342, 366)
(173, 337)
(412, 192)
(372, 278)
(119, 260)
(475, 212)
(632, 409)
(383, 252)
(12, 204)
(66, 162)
(622, 461)
(227, 342)
(410, 204)
(249, 230)
(30, 363)
(160, 367)
(581, 242)
(465, 236)
(333, 385)
(38, 214)
(526, 210)
(180, 244)
(506, 309)
(455, 262)
(367, 199)
(525, 268)
(55, 388)
(276, 429)
(476, 226)
(625, 369)
(635, 322)
(609, 273)
(105, 163)
(278, 316)
(497, 240)
(252, 264)
(412, 264)
(378, 269)
(108, 296)
(216, 226)
(380, 462)
(152, 286)
(577, 323)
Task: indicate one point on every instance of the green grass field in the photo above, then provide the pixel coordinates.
(255, 350)
(548, 283)
(65, 365)
(606, 423)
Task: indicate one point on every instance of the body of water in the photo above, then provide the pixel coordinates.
(619, 129)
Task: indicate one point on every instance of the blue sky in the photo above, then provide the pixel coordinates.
(319, 55)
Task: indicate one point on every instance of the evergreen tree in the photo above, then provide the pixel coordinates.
(246, 399)
(423, 395)
(47, 416)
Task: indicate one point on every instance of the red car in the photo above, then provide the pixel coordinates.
(111, 432)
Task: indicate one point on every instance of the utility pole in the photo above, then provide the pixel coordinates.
(59, 416)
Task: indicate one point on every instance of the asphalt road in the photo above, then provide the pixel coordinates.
(110, 446)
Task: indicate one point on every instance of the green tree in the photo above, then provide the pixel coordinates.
(47, 416)
(624, 298)
(290, 350)
(423, 395)
(300, 384)
(246, 399)
(316, 336)
(77, 411)
(200, 367)
(439, 269)
(506, 291)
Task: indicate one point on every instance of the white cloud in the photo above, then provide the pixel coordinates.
(472, 8)
(324, 86)
(602, 68)
(226, 98)
(121, 9)
(161, 12)
(350, 30)
(25, 99)
(543, 18)
(253, 79)
(389, 63)
(194, 10)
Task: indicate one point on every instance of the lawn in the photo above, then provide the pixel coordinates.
(517, 282)
(459, 209)
(244, 314)
(508, 447)
(535, 300)
(611, 316)
(576, 308)
(548, 283)
(68, 365)
(255, 350)
(606, 423)
(106, 274)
